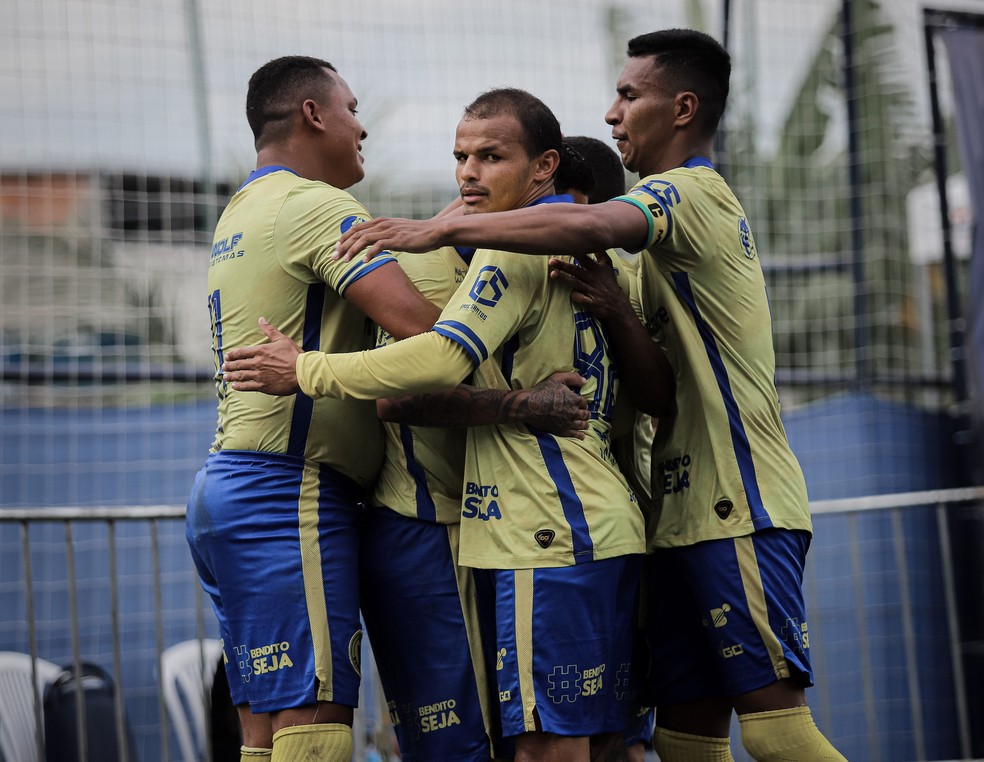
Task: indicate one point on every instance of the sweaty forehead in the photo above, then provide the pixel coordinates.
(502, 131)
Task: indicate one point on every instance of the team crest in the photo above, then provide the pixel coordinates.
(723, 508)
(544, 537)
(745, 237)
(355, 651)
(352, 219)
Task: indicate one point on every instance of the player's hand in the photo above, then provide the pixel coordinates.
(554, 406)
(268, 368)
(592, 283)
(373, 237)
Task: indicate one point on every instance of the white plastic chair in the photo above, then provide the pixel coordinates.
(183, 685)
(18, 738)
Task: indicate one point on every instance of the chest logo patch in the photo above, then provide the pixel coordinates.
(723, 508)
(489, 286)
(544, 537)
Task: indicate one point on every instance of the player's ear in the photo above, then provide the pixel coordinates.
(546, 164)
(312, 115)
(685, 105)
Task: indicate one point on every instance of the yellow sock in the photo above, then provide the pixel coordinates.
(325, 743)
(786, 735)
(252, 754)
(672, 746)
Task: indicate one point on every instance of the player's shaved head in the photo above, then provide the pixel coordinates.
(277, 88)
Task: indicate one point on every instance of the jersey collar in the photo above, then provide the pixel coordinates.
(256, 174)
(698, 161)
(560, 198)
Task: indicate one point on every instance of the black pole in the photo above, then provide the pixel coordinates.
(861, 337)
(955, 321)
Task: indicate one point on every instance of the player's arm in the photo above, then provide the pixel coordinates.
(542, 229)
(422, 363)
(550, 406)
(392, 302)
(643, 368)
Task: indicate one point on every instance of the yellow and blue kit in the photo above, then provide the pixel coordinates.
(273, 518)
(726, 485)
(436, 682)
(540, 512)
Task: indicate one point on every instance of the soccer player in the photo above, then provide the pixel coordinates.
(437, 681)
(607, 174)
(272, 518)
(729, 628)
(551, 519)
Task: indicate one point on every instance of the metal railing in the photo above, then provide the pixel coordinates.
(930, 508)
(160, 584)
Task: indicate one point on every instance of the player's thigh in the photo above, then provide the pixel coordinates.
(283, 538)
(564, 647)
(421, 616)
(745, 604)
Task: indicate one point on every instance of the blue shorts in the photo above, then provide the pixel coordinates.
(725, 617)
(564, 647)
(423, 623)
(276, 545)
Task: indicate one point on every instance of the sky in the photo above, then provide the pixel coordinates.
(111, 84)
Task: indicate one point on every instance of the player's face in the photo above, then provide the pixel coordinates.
(642, 116)
(494, 172)
(344, 134)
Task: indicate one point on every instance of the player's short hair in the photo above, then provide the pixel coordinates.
(574, 172)
(541, 130)
(277, 88)
(607, 173)
(694, 62)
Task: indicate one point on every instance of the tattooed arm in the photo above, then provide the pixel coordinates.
(552, 406)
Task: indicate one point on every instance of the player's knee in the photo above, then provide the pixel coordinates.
(672, 746)
(786, 735)
(326, 742)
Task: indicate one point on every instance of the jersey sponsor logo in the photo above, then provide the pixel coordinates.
(656, 321)
(352, 219)
(544, 537)
(718, 617)
(438, 716)
(745, 238)
(729, 652)
(662, 190)
(566, 683)
(481, 502)
(623, 682)
(675, 474)
(243, 662)
(355, 651)
(723, 508)
(500, 656)
(489, 286)
(226, 249)
(270, 658)
(794, 633)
